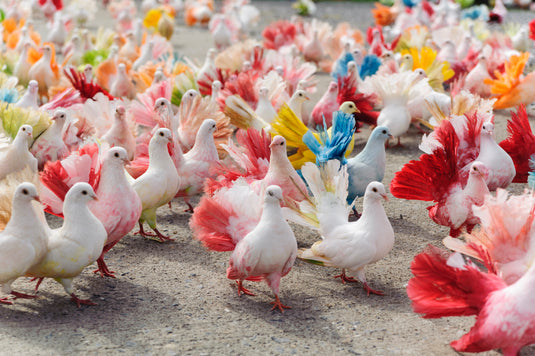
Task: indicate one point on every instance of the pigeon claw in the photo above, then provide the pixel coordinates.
(5, 300)
(372, 291)
(344, 278)
(19, 295)
(39, 281)
(79, 302)
(189, 209)
(277, 304)
(103, 269)
(242, 289)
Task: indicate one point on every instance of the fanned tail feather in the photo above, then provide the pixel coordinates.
(445, 285)
(520, 144)
(9, 184)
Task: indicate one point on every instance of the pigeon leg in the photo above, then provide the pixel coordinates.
(277, 304)
(344, 278)
(39, 281)
(79, 302)
(190, 207)
(143, 233)
(103, 268)
(161, 236)
(399, 143)
(241, 288)
(372, 291)
(18, 295)
(5, 301)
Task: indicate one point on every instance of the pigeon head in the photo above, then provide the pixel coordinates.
(488, 129)
(163, 135)
(59, 116)
(189, 95)
(263, 92)
(349, 107)
(376, 191)
(333, 87)
(208, 127)
(301, 96)
(118, 155)
(26, 192)
(278, 144)
(273, 194)
(478, 169)
(81, 192)
(25, 131)
(33, 86)
(161, 104)
(381, 133)
(120, 111)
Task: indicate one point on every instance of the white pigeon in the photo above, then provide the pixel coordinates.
(347, 245)
(75, 245)
(122, 85)
(16, 156)
(49, 146)
(499, 163)
(160, 182)
(199, 162)
(269, 250)
(264, 108)
(22, 67)
(30, 97)
(23, 242)
(297, 101)
(120, 134)
(145, 56)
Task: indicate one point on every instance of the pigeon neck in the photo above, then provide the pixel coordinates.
(21, 142)
(76, 215)
(476, 186)
(272, 212)
(372, 210)
(205, 146)
(112, 176)
(373, 153)
(158, 155)
(22, 214)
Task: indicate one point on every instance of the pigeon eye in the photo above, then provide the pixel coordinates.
(84, 192)
(25, 191)
(161, 134)
(23, 129)
(282, 143)
(116, 154)
(270, 193)
(374, 190)
(475, 168)
(384, 132)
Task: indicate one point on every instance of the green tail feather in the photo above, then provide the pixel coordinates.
(314, 262)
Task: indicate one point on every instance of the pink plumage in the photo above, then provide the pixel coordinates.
(326, 106)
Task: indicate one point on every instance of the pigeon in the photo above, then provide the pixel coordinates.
(75, 245)
(16, 156)
(160, 182)
(504, 317)
(436, 177)
(199, 162)
(369, 164)
(120, 134)
(49, 146)
(30, 97)
(268, 251)
(347, 245)
(23, 242)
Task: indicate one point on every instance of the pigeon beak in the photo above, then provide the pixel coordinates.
(126, 161)
(390, 136)
(385, 197)
(307, 97)
(36, 198)
(357, 111)
(94, 196)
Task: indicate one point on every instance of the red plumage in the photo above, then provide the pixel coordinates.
(243, 85)
(439, 290)
(426, 6)
(532, 29)
(205, 82)
(79, 81)
(520, 144)
(58, 178)
(430, 178)
(57, 3)
(279, 33)
(254, 145)
(209, 224)
(347, 91)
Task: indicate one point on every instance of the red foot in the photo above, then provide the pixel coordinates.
(19, 295)
(345, 278)
(169, 205)
(5, 300)
(373, 291)
(150, 235)
(277, 304)
(39, 281)
(241, 288)
(103, 269)
(79, 302)
(189, 209)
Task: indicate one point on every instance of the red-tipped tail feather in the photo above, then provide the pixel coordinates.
(209, 224)
(439, 289)
(429, 178)
(520, 144)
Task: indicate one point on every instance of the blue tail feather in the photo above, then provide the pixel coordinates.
(370, 65)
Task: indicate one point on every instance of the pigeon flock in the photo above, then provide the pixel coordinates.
(105, 127)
